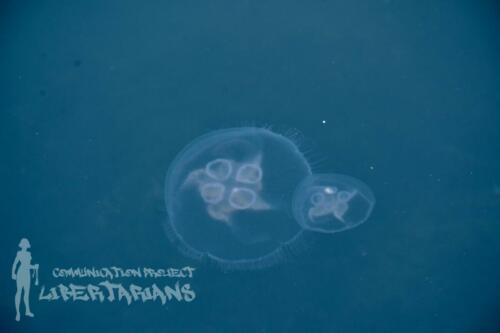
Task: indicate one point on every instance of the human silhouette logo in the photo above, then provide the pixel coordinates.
(22, 272)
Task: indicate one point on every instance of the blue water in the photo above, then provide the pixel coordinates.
(98, 97)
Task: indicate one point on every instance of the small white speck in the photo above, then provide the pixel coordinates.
(328, 190)
(324, 121)
(372, 167)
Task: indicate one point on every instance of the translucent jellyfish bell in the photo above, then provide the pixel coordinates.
(332, 203)
(228, 196)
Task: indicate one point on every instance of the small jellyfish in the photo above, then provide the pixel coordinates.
(332, 203)
(228, 196)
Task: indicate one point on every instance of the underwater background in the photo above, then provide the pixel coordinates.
(97, 98)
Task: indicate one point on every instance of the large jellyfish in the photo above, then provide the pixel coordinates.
(228, 196)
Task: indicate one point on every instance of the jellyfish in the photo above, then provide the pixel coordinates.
(228, 196)
(227, 186)
(330, 203)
